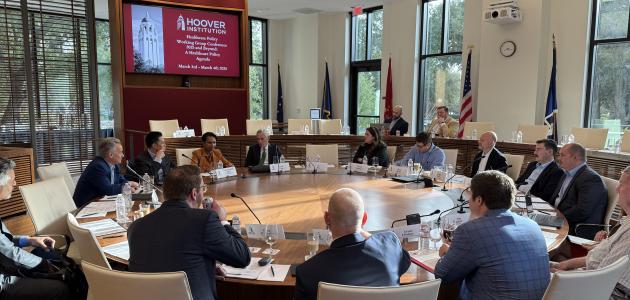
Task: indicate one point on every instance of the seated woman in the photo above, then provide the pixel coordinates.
(208, 157)
(372, 148)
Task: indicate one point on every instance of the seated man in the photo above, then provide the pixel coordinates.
(498, 254)
(398, 126)
(425, 153)
(102, 176)
(355, 257)
(12, 255)
(209, 156)
(262, 153)
(193, 240)
(443, 125)
(153, 160)
(581, 194)
(541, 176)
(490, 158)
(611, 249)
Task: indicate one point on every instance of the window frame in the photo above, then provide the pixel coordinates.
(101, 131)
(264, 64)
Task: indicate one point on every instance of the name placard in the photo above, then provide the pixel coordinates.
(225, 172)
(282, 167)
(359, 168)
(397, 170)
(321, 167)
(323, 236)
(257, 231)
(184, 133)
(409, 231)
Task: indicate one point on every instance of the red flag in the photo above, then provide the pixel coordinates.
(389, 94)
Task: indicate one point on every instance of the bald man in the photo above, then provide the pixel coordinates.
(489, 158)
(398, 124)
(355, 257)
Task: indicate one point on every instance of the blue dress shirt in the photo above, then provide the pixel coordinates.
(433, 157)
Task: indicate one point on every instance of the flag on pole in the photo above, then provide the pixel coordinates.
(389, 95)
(466, 109)
(327, 98)
(551, 112)
(280, 105)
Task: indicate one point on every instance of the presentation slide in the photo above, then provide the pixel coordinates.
(180, 41)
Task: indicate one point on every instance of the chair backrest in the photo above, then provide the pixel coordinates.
(89, 248)
(625, 141)
(481, 127)
(181, 160)
(391, 153)
(212, 125)
(332, 126)
(166, 127)
(516, 163)
(296, 126)
(451, 157)
(613, 196)
(48, 202)
(532, 133)
(586, 285)
(254, 125)
(327, 153)
(110, 284)
(417, 291)
(592, 138)
(57, 170)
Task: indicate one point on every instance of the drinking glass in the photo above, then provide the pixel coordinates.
(417, 168)
(312, 244)
(271, 236)
(435, 235)
(375, 164)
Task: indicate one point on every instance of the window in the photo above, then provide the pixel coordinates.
(608, 90)
(104, 62)
(258, 108)
(441, 58)
(365, 69)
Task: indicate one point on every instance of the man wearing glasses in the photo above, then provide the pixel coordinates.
(425, 153)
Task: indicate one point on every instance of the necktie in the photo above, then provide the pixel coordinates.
(263, 157)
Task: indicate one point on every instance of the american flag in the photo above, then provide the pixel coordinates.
(465, 111)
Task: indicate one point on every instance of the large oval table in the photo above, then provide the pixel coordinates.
(298, 201)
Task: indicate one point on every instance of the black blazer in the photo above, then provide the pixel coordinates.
(176, 237)
(380, 152)
(401, 125)
(546, 183)
(585, 201)
(253, 155)
(496, 161)
(145, 164)
(353, 260)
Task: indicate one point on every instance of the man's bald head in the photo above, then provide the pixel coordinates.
(487, 140)
(397, 111)
(345, 210)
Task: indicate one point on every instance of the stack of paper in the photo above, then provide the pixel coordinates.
(120, 250)
(254, 271)
(427, 259)
(103, 227)
(97, 209)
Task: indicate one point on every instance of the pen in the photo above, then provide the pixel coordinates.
(544, 212)
(113, 236)
(272, 271)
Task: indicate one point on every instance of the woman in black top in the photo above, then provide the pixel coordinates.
(373, 147)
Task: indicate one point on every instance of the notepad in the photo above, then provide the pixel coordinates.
(120, 250)
(97, 209)
(254, 271)
(426, 260)
(103, 227)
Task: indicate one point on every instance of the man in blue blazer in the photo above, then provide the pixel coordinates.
(355, 257)
(102, 176)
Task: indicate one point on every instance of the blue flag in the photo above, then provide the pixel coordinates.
(327, 98)
(551, 112)
(280, 105)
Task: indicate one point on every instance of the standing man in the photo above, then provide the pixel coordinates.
(498, 254)
(102, 176)
(398, 125)
(13, 257)
(541, 176)
(209, 156)
(262, 153)
(490, 158)
(193, 240)
(425, 152)
(153, 160)
(581, 194)
(443, 125)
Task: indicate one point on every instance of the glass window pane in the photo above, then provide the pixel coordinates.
(364, 122)
(256, 92)
(376, 30)
(442, 85)
(432, 27)
(455, 26)
(257, 42)
(103, 54)
(359, 28)
(369, 92)
(610, 107)
(105, 98)
(612, 19)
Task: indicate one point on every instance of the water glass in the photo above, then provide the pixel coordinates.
(271, 236)
(375, 164)
(312, 244)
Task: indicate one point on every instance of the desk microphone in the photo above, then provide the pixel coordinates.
(250, 210)
(413, 219)
(454, 207)
(140, 177)
(191, 160)
(444, 189)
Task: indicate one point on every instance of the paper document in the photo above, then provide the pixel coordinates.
(254, 271)
(426, 260)
(97, 209)
(103, 227)
(120, 250)
(580, 241)
(109, 198)
(550, 237)
(278, 274)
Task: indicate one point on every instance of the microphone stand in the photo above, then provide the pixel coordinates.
(444, 189)
(140, 177)
(416, 216)
(191, 160)
(250, 210)
(439, 219)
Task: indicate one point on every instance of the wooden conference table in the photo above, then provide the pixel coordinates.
(298, 200)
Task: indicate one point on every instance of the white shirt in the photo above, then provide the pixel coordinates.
(484, 161)
(266, 151)
(610, 250)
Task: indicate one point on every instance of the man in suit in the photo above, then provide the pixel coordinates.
(581, 194)
(498, 254)
(443, 125)
(398, 125)
(355, 257)
(102, 176)
(490, 158)
(262, 153)
(541, 176)
(13, 257)
(179, 236)
(153, 160)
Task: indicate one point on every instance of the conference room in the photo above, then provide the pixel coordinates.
(269, 149)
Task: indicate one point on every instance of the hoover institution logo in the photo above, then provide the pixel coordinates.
(180, 23)
(200, 25)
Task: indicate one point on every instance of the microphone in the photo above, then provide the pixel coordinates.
(191, 160)
(461, 196)
(250, 210)
(415, 218)
(454, 207)
(140, 177)
(444, 189)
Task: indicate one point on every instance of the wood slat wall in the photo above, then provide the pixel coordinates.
(24, 174)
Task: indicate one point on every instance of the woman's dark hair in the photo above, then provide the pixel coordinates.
(378, 142)
(206, 135)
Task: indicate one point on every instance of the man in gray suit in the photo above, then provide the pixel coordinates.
(581, 194)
